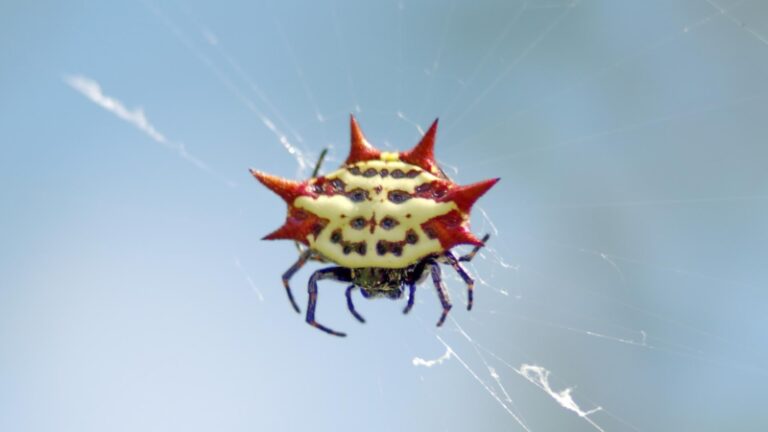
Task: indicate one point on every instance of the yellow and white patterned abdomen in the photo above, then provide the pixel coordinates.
(374, 214)
(381, 209)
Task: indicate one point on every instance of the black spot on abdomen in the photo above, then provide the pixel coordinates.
(388, 223)
(381, 247)
(361, 248)
(358, 223)
(411, 237)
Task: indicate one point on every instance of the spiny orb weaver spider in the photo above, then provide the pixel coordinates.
(386, 219)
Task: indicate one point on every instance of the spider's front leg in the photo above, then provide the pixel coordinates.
(415, 276)
(351, 305)
(340, 274)
(411, 297)
(454, 262)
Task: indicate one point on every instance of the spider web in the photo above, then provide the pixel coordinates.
(621, 285)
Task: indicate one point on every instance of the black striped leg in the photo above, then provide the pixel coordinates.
(340, 274)
(441, 292)
(468, 257)
(454, 262)
(416, 274)
(289, 274)
(351, 306)
(411, 297)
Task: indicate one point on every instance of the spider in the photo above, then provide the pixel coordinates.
(386, 219)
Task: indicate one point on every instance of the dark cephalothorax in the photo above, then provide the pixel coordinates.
(375, 282)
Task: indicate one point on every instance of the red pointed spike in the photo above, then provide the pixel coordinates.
(423, 155)
(287, 189)
(360, 149)
(298, 226)
(451, 230)
(285, 232)
(465, 196)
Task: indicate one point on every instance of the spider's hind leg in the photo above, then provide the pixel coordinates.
(340, 274)
(289, 274)
(468, 257)
(319, 162)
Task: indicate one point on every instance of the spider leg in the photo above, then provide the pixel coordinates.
(468, 257)
(441, 292)
(319, 162)
(289, 274)
(454, 262)
(416, 275)
(340, 274)
(351, 306)
(411, 297)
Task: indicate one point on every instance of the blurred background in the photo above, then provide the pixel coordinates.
(624, 284)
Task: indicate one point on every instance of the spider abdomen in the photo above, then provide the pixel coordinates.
(380, 209)
(376, 220)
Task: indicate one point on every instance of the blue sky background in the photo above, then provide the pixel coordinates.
(628, 254)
